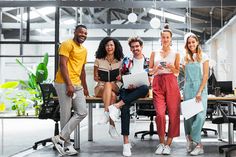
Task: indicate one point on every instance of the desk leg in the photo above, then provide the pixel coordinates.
(77, 137)
(219, 127)
(230, 126)
(90, 122)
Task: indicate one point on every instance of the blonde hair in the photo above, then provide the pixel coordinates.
(189, 55)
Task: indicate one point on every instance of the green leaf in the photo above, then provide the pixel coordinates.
(41, 73)
(45, 59)
(32, 81)
(26, 68)
(14, 107)
(12, 84)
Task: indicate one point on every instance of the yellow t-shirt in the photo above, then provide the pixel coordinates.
(77, 56)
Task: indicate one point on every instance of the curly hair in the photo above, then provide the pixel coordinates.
(101, 52)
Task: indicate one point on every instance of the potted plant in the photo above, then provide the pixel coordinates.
(34, 78)
(5, 89)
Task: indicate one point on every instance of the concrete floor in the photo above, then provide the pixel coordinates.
(18, 140)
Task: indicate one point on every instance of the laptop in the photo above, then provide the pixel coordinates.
(136, 79)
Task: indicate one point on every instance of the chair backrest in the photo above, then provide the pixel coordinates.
(146, 110)
(50, 107)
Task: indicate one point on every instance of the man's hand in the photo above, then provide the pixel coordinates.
(70, 90)
(131, 86)
(86, 92)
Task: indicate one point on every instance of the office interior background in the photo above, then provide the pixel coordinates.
(29, 29)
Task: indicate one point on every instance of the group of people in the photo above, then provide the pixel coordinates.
(163, 65)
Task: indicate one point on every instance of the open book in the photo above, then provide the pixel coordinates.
(108, 75)
(136, 79)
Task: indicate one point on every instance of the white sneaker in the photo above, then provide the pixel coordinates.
(167, 150)
(104, 118)
(189, 145)
(59, 144)
(113, 132)
(197, 151)
(70, 150)
(114, 113)
(127, 149)
(160, 149)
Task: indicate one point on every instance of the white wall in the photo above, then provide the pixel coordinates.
(222, 49)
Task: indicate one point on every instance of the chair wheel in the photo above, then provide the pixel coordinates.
(44, 143)
(35, 147)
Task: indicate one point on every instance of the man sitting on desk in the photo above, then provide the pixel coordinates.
(136, 64)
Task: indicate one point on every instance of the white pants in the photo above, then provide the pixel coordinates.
(78, 104)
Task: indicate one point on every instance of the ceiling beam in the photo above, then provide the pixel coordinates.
(108, 26)
(121, 4)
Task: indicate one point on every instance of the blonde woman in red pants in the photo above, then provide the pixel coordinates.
(166, 95)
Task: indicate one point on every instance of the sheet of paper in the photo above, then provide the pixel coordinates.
(190, 108)
(137, 79)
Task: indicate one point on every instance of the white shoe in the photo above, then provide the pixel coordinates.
(127, 149)
(167, 150)
(104, 118)
(59, 144)
(113, 132)
(189, 145)
(160, 149)
(70, 150)
(114, 113)
(198, 150)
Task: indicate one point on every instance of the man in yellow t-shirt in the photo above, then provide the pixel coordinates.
(71, 87)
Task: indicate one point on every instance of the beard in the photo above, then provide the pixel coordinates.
(80, 40)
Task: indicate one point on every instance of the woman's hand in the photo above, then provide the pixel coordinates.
(97, 78)
(198, 97)
(118, 78)
(155, 69)
(170, 66)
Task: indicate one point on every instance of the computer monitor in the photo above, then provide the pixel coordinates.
(225, 87)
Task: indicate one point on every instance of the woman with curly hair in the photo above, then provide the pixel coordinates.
(109, 56)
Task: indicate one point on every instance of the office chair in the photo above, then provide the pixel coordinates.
(224, 118)
(210, 110)
(146, 110)
(50, 110)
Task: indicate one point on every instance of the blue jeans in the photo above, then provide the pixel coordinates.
(129, 96)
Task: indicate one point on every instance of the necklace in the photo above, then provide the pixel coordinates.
(110, 60)
(164, 53)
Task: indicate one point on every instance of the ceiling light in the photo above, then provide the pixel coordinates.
(167, 15)
(132, 17)
(155, 22)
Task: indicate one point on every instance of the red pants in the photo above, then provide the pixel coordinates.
(166, 95)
